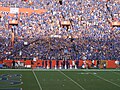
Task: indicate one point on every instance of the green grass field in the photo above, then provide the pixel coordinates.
(27, 79)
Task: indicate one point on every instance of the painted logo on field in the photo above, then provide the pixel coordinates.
(10, 80)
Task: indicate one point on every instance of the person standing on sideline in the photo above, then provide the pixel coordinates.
(13, 64)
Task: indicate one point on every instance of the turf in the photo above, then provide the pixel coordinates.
(62, 80)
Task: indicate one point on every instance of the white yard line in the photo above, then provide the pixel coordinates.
(72, 80)
(85, 70)
(37, 80)
(107, 80)
(116, 73)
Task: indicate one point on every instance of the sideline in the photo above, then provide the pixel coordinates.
(90, 70)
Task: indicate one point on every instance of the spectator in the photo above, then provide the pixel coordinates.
(95, 37)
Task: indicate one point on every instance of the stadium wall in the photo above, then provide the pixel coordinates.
(46, 63)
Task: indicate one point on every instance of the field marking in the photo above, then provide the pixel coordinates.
(10, 88)
(97, 70)
(72, 80)
(37, 80)
(116, 73)
(107, 80)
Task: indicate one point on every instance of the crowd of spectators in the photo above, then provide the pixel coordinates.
(90, 35)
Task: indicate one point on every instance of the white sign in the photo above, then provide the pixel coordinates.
(14, 10)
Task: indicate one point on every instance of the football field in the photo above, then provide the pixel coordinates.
(90, 79)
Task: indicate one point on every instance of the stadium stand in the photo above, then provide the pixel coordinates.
(73, 30)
